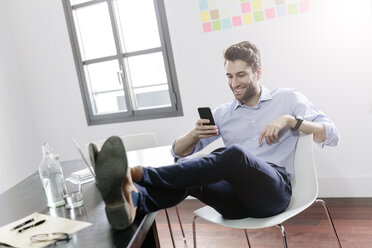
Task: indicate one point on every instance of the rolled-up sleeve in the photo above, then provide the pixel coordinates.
(310, 112)
(203, 142)
(198, 147)
(332, 135)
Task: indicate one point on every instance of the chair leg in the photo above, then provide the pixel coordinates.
(194, 230)
(283, 235)
(179, 221)
(170, 228)
(329, 219)
(246, 235)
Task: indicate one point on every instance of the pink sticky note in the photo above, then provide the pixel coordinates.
(237, 21)
(270, 13)
(207, 27)
(304, 6)
(246, 7)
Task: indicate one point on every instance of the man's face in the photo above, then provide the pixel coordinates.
(243, 81)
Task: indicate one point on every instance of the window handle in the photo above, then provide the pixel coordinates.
(119, 77)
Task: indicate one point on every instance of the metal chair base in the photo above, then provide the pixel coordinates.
(170, 226)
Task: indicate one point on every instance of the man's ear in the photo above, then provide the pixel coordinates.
(259, 72)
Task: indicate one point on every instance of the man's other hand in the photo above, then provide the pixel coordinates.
(271, 130)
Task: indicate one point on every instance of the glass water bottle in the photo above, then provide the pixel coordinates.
(52, 179)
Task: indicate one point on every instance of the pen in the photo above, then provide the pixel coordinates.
(27, 227)
(24, 223)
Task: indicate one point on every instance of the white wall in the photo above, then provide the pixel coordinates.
(18, 150)
(325, 53)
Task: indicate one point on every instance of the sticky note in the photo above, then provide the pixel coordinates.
(246, 7)
(267, 4)
(304, 6)
(258, 16)
(224, 12)
(279, 2)
(292, 9)
(216, 25)
(212, 4)
(215, 14)
(205, 16)
(226, 23)
(256, 4)
(203, 5)
(207, 27)
(281, 11)
(270, 13)
(237, 21)
(248, 18)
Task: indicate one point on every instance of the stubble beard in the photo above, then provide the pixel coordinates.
(250, 93)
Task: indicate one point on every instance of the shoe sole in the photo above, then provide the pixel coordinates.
(111, 167)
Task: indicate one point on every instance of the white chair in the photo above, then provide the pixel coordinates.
(304, 194)
(133, 142)
(143, 141)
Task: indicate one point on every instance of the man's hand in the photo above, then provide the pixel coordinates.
(185, 144)
(204, 131)
(271, 130)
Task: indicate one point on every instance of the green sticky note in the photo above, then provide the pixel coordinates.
(216, 25)
(258, 16)
(292, 9)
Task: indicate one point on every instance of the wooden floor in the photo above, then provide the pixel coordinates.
(310, 229)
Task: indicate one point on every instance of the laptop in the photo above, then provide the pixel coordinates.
(83, 157)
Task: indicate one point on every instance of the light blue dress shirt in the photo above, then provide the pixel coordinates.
(242, 124)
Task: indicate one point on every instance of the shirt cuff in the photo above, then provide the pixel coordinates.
(332, 136)
(175, 155)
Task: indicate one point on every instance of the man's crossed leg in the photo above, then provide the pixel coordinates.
(231, 180)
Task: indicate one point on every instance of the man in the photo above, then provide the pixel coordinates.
(250, 177)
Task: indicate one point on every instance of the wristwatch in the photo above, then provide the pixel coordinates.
(299, 120)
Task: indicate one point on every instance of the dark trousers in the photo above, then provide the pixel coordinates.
(232, 180)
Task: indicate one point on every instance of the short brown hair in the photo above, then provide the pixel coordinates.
(245, 51)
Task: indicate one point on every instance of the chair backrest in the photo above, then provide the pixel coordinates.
(139, 141)
(134, 141)
(304, 181)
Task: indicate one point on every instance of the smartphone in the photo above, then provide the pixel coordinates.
(206, 113)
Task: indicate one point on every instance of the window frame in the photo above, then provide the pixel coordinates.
(130, 115)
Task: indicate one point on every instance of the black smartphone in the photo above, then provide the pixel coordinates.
(206, 113)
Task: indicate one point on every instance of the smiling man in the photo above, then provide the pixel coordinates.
(249, 177)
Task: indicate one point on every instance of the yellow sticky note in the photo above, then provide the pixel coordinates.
(268, 4)
(224, 12)
(205, 16)
(212, 4)
(256, 4)
(247, 18)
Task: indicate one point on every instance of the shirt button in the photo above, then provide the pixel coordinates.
(252, 122)
(254, 138)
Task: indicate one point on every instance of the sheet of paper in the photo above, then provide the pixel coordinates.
(52, 224)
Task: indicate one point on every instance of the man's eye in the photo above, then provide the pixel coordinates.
(241, 75)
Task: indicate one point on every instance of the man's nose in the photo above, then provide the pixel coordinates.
(234, 82)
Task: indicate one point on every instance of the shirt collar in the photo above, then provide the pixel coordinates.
(265, 96)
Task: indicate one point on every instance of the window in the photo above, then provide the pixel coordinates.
(123, 58)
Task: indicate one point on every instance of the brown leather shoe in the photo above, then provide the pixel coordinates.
(111, 165)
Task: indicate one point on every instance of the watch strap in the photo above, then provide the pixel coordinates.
(298, 123)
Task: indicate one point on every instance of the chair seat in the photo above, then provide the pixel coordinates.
(213, 216)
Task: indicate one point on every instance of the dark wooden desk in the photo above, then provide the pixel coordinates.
(28, 197)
